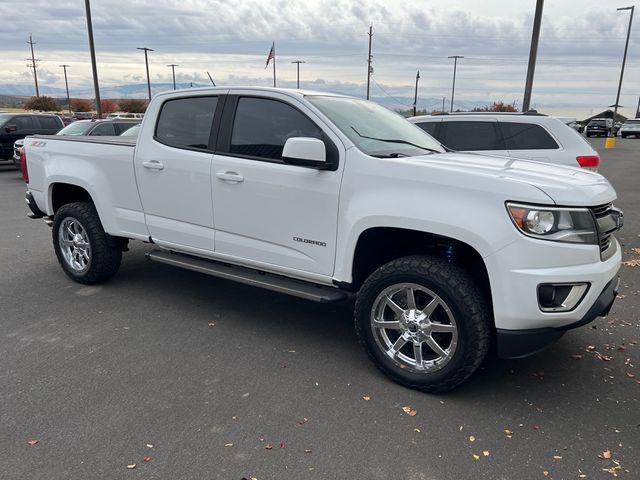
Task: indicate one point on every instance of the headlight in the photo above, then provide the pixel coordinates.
(570, 225)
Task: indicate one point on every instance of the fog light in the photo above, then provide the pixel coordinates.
(561, 297)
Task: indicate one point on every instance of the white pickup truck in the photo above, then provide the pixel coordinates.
(322, 196)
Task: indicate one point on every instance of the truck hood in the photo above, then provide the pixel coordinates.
(564, 185)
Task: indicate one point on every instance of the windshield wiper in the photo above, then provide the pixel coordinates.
(390, 155)
(393, 140)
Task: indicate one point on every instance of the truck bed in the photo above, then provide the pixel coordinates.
(108, 140)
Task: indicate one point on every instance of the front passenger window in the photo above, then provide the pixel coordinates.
(262, 126)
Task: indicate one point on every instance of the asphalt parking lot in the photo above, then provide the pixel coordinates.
(191, 377)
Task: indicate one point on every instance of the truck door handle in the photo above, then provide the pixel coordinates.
(231, 177)
(153, 165)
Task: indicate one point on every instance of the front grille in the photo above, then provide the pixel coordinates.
(607, 223)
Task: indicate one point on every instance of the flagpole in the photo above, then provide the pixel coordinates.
(274, 64)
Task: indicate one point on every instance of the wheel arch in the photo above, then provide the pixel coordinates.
(379, 245)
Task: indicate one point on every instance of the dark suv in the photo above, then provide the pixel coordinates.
(14, 126)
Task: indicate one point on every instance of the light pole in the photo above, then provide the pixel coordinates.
(146, 62)
(415, 96)
(173, 71)
(533, 53)
(298, 62)
(66, 84)
(624, 61)
(455, 66)
(94, 68)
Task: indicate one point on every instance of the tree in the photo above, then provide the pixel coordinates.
(133, 105)
(81, 105)
(108, 106)
(42, 104)
(496, 107)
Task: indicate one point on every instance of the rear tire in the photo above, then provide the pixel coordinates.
(436, 326)
(86, 253)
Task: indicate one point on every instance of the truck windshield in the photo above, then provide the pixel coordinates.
(76, 128)
(374, 129)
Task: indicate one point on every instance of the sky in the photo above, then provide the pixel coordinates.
(579, 57)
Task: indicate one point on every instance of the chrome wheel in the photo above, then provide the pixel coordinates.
(414, 327)
(74, 244)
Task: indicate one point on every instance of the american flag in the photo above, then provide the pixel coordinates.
(272, 54)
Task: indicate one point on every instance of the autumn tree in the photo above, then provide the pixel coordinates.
(496, 107)
(81, 105)
(42, 104)
(108, 106)
(133, 105)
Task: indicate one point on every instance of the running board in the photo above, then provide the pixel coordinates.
(276, 283)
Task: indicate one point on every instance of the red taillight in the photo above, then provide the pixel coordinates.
(589, 161)
(23, 165)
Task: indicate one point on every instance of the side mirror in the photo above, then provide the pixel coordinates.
(10, 128)
(305, 152)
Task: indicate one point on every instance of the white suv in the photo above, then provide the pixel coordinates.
(523, 135)
(630, 127)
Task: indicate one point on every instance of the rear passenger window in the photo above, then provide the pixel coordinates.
(465, 136)
(262, 126)
(22, 123)
(49, 123)
(526, 136)
(186, 122)
(103, 129)
(429, 127)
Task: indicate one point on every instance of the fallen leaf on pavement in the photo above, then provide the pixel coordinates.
(410, 411)
(557, 457)
(486, 453)
(545, 473)
(303, 421)
(268, 446)
(417, 430)
(606, 455)
(576, 356)
(149, 445)
(146, 458)
(33, 442)
(366, 398)
(228, 444)
(307, 450)
(472, 438)
(476, 457)
(508, 432)
(211, 324)
(281, 444)
(131, 466)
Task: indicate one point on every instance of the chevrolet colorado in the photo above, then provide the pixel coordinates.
(325, 196)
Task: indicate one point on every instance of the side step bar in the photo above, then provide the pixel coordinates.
(276, 283)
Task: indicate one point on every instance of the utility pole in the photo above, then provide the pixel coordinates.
(146, 62)
(624, 61)
(533, 54)
(415, 96)
(298, 62)
(93, 59)
(455, 66)
(33, 65)
(443, 99)
(66, 84)
(173, 71)
(369, 60)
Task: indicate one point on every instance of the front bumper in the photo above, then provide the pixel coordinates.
(522, 343)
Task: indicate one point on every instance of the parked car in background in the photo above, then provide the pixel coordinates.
(577, 126)
(523, 135)
(630, 127)
(136, 116)
(15, 126)
(599, 127)
(109, 128)
(132, 132)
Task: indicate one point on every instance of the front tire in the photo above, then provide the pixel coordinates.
(423, 322)
(86, 253)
